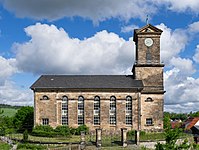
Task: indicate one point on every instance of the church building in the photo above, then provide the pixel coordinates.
(109, 102)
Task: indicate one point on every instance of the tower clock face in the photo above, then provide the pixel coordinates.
(148, 42)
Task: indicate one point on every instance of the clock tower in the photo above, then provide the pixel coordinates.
(149, 69)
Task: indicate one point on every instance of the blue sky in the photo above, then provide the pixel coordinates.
(95, 37)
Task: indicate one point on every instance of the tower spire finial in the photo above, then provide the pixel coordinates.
(147, 19)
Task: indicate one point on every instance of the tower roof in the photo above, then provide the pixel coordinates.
(148, 29)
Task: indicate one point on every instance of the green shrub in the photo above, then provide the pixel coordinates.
(62, 130)
(159, 146)
(31, 146)
(25, 136)
(195, 146)
(131, 133)
(4, 146)
(82, 128)
(43, 131)
(44, 128)
(142, 133)
(48, 131)
(2, 131)
(73, 131)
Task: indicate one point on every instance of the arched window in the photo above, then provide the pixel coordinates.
(64, 110)
(80, 110)
(149, 99)
(128, 110)
(148, 56)
(112, 112)
(45, 97)
(96, 110)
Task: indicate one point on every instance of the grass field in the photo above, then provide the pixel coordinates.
(4, 146)
(10, 112)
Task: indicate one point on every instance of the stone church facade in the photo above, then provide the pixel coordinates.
(109, 102)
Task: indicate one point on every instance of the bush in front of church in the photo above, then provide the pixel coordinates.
(43, 131)
(48, 131)
(82, 128)
(62, 130)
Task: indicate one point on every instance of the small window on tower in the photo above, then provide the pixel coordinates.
(149, 99)
(149, 121)
(45, 97)
(148, 56)
(45, 121)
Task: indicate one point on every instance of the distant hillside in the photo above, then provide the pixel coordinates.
(9, 106)
(9, 110)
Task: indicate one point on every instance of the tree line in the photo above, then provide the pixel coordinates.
(9, 106)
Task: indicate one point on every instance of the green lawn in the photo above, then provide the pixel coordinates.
(4, 146)
(10, 112)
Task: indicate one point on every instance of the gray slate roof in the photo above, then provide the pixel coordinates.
(87, 82)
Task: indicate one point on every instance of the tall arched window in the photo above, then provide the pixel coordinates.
(128, 110)
(80, 110)
(64, 110)
(96, 110)
(112, 112)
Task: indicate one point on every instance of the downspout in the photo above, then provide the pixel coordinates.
(137, 138)
(139, 110)
(34, 107)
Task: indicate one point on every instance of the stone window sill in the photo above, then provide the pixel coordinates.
(113, 125)
(128, 125)
(149, 125)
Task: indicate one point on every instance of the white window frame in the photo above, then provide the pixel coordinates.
(80, 107)
(128, 118)
(64, 117)
(45, 121)
(112, 111)
(149, 121)
(96, 111)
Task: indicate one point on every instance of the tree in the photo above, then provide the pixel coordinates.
(166, 121)
(1, 111)
(171, 136)
(24, 119)
(25, 136)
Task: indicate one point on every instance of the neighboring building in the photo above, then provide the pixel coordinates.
(109, 102)
(193, 125)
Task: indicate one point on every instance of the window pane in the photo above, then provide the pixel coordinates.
(96, 110)
(80, 110)
(45, 121)
(112, 112)
(149, 121)
(45, 97)
(128, 110)
(64, 118)
(96, 120)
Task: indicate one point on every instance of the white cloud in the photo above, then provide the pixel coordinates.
(196, 55)
(180, 5)
(180, 87)
(194, 27)
(184, 65)
(181, 92)
(51, 50)
(95, 10)
(172, 42)
(129, 28)
(10, 94)
(7, 68)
